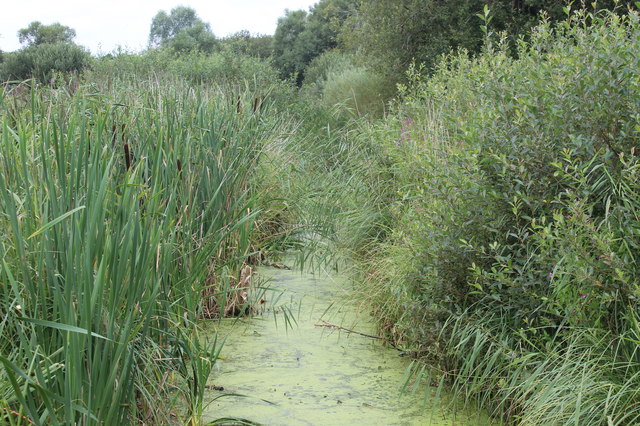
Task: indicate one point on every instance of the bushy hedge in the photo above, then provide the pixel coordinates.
(44, 61)
(551, 142)
(329, 62)
(517, 216)
(337, 80)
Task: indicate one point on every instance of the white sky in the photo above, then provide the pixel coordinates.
(103, 25)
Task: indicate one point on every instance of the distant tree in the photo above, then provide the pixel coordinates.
(48, 50)
(182, 30)
(287, 50)
(36, 34)
(243, 42)
(393, 33)
(300, 36)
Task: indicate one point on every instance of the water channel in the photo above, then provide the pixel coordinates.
(305, 373)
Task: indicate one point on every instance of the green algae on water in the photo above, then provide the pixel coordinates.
(313, 375)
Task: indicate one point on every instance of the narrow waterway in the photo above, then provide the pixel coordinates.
(300, 373)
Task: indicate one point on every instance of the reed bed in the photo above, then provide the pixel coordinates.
(123, 209)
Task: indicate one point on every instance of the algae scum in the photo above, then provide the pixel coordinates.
(306, 374)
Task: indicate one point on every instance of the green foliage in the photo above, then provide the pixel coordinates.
(336, 80)
(509, 257)
(493, 215)
(224, 67)
(329, 62)
(394, 33)
(123, 203)
(581, 380)
(562, 130)
(544, 146)
(44, 61)
(36, 34)
(357, 90)
(289, 54)
(329, 185)
(49, 51)
(325, 21)
(181, 30)
(302, 36)
(243, 43)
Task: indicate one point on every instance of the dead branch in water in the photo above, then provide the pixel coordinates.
(338, 327)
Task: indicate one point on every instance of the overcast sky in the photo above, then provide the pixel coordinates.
(102, 25)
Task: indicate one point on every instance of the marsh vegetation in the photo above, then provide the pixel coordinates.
(477, 184)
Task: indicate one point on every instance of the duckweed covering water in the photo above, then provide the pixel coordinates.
(313, 375)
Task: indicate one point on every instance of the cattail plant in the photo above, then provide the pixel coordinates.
(120, 208)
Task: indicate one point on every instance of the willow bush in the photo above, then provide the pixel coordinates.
(44, 61)
(511, 262)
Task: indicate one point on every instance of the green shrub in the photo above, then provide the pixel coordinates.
(530, 136)
(515, 212)
(15, 66)
(44, 61)
(555, 125)
(329, 62)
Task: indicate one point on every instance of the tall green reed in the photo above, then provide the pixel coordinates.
(121, 206)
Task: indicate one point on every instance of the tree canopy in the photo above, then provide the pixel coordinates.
(182, 30)
(393, 33)
(300, 36)
(287, 50)
(245, 43)
(36, 34)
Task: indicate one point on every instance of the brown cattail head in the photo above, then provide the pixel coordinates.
(127, 156)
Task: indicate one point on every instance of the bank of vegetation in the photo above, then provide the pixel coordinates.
(510, 251)
(476, 169)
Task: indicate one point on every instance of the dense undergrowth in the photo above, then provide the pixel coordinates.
(506, 209)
